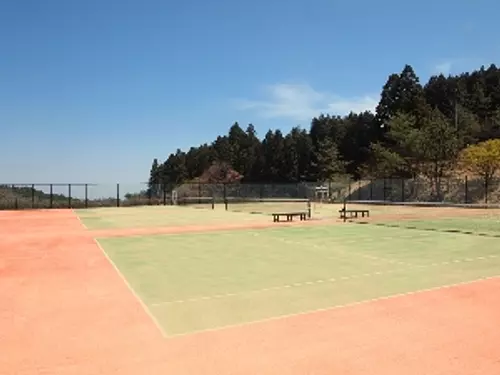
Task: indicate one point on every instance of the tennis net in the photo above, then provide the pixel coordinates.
(268, 206)
(436, 217)
(197, 202)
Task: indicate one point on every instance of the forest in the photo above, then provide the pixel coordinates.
(417, 129)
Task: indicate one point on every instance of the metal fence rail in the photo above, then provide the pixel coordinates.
(460, 190)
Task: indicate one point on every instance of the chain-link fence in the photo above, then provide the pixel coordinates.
(460, 190)
(301, 190)
(38, 196)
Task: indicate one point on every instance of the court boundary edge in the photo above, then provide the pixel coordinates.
(332, 308)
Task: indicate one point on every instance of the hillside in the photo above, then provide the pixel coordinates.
(414, 125)
(417, 129)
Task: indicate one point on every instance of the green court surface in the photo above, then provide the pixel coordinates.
(195, 282)
(162, 216)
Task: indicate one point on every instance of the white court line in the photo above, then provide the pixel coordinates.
(127, 284)
(315, 282)
(332, 308)
(79, 219)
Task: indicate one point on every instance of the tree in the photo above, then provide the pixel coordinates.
(423, 130)
(482, 159)
(327, 162)
(220, 172)
(437, 146)
(382, 163)
(154, 179)
(402, 93)
(273, 153)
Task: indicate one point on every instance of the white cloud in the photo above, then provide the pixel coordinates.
(302, 102)
(458, 65)
(443, 68)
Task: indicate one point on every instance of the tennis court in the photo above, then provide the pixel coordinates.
(204, 281)
(216, 291)
(162, 216)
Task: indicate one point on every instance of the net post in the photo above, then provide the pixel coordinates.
(225, 203)
(213, 203)
(309, 214)
(344, 209)
(118, 195)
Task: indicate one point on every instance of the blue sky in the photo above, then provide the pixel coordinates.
(93, 90)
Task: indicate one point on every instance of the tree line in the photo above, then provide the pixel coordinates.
(416, 130)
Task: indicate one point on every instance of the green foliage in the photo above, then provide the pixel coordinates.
(327, 162)
(416, 130)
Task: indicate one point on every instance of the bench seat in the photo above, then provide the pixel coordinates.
(353, 213)
(289, 216)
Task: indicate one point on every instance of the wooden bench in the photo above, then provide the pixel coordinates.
(353, 213)
(289, 216)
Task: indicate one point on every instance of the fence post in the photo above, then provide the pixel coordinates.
(164, 195)
(149, 196)
(486, 191)
(69, 195)
(371, 189)
(349, 190)
(466, 190)
(16, 204)
(51, 196)
(86, 196)
(118, 195)
(402, 190)
(385, 189)
(359, 190)
(33, 196)
(390, 189)
(224, 191)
